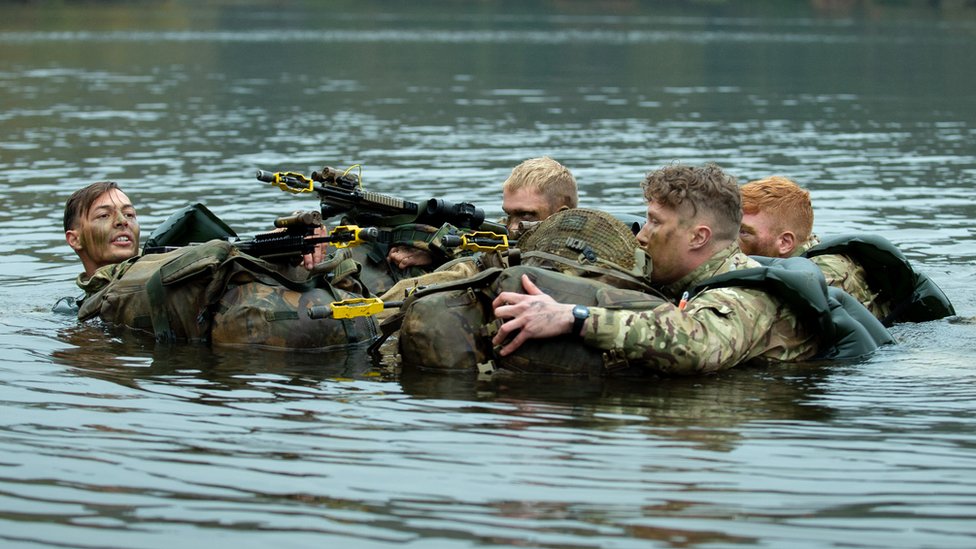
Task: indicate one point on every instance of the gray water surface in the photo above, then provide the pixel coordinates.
(109, 440)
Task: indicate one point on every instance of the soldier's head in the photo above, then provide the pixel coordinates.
(100, 225)
(692, 212)
(777, 216)
(536, 189)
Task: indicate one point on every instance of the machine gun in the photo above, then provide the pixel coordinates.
(296, 235)
(342, 194)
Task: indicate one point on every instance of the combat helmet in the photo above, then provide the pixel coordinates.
(588, 243)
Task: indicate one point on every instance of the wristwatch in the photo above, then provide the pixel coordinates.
(580, 314)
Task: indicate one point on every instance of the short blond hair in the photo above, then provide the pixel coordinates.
(550, 178)
(786, 203)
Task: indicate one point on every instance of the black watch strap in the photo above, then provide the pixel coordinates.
(580, 314)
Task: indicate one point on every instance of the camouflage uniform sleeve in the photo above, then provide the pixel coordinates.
(718, 329)
(844, 273)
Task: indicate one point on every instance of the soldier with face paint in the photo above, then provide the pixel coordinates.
(208, 291)
(101, 226)
(693, 217)
(777, 221)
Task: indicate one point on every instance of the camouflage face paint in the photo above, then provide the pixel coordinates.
(108, 232)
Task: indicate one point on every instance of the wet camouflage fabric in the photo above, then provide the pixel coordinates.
(842, 272)
(100, 278)
(444, 329)
(257, 311)
(720, 328)
(211, 292)
(449, 328)
(164, 294)
(590, 244)
(455, 270)
(380, 276)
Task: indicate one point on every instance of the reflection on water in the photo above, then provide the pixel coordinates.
(120, 442)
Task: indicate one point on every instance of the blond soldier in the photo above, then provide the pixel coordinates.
(777, 221)
(536, 189)
(693, 216)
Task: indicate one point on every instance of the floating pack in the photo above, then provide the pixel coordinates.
(258, 309)
(913, 296)
(167, 295)
(212, 291)
(449, 327)
(576, 256)
(191, 224)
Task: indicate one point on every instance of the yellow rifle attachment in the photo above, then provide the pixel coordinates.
(344, 236)
(292, 182)
(348, 308)
(483, 241)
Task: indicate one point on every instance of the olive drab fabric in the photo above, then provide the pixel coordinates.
(193, 223)
(258, 311)
(164, 294)
(213, 292)
(443, 326)
(449, 327)
(567, 355)
(577, 256)
(901, 293)
(590, 243)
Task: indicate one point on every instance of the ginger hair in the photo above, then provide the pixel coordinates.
(787, 204)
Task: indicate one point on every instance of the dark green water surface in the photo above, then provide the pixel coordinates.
(109, 441)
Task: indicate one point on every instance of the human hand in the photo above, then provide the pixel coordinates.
(533, 314)
(310, 260)
(408, 256)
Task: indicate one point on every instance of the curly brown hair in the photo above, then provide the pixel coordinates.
(706, 189)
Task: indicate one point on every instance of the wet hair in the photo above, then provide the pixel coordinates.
(786, 203)
(549, 177)
(81, 201)
(707, 189)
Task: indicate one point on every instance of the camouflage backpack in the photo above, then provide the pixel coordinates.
(576, 256)
(213, 292)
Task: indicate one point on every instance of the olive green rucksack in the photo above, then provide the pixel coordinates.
(576, 256)
(449, 327)
(211, 291)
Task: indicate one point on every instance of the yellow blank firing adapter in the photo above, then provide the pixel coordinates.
(347, 308)
(287, 181)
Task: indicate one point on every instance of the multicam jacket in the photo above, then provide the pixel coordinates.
(719, 328)
(842, 272)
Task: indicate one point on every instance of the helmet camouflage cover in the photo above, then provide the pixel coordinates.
(587, 240)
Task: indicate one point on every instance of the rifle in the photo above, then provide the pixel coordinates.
(342, 194)
(296, 236)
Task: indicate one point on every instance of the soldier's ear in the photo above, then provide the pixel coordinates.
(786, 243)
(701, 235)
(73, 239)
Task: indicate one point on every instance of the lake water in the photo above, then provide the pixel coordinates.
(109, 441)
